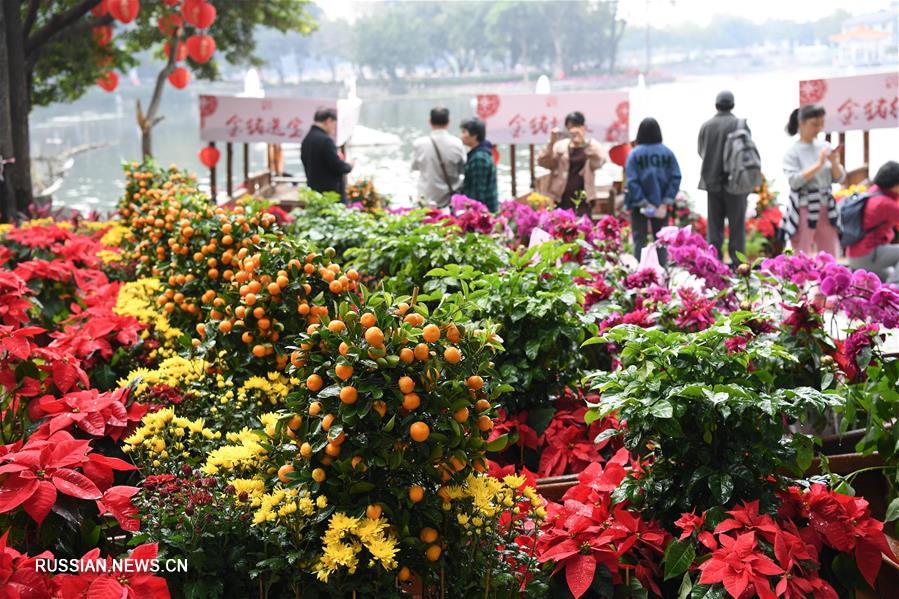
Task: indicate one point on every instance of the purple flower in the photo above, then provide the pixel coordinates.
(835, 280)
(692, 253)
(657, 294)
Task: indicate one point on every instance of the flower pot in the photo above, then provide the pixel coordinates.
(553, 487)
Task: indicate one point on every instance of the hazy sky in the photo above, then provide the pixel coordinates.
(668, 12)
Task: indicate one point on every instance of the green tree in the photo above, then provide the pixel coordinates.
(50, 55)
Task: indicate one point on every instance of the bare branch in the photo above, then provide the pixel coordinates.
(57, 23)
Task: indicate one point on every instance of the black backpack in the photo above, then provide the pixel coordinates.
(852, 211)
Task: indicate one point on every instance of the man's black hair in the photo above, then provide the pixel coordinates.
(475, 127)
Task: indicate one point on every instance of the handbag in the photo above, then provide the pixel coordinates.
(446, 177)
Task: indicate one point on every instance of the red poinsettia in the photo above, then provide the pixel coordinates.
(14, 302)
(586, 532)
(512, 426)
(19, 578)
(97, 414)
(42, 468)
(739, 564)
(746, 518)
(41, 237)
(692, 524)
(133, 580)
(117, 502)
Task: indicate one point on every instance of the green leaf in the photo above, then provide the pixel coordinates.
(662, 409)
(892, 510)
(499, 443)
(686, 587)
(679, 555)
(721, 486)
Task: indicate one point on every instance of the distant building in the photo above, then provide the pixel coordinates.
(869, 39)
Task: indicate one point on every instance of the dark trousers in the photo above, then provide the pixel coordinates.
(723, 205)
(639, 230)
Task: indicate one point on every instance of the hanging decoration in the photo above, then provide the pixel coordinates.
(179, 78)
(108, 81)
(169, 24)
(209, 156)
(180, 50)
(123, 11)
(198, 13)
(201, 48)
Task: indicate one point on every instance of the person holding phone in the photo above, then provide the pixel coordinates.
(571, 159)
(811, 167)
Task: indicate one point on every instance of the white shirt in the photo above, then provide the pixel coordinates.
(431, 182)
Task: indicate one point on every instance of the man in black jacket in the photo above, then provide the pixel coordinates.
(323, 165)
(722, 205)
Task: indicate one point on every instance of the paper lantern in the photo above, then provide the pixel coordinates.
(102, 34)
(180, 51)
(108, 81)
(123, 11)
(180, 77)
(100, 9)
(209, 156)
(201, 47)
(198, 13)
(619, 153)
(495, 155)
(169, 24)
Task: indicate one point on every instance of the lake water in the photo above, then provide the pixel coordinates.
(96, 182)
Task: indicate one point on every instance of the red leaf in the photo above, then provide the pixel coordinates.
(41, 502)
(75, 484)
(105, 587)
(579, 574)
(868, 559)
(15, 491)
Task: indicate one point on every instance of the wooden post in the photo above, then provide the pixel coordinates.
(533, 172)
(246, 163)
(843, 148)
(866, 143)
(212, 186)
(229, 169)
(512, 162)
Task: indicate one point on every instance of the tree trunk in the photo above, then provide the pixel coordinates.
(7, 199)
(147, 121)
(19, 106)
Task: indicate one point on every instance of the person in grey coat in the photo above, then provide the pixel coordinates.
(722, 205)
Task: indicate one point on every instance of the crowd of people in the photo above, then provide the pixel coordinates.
(863, 227)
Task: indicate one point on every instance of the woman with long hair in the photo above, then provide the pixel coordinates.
(811, 167)
(653, 180)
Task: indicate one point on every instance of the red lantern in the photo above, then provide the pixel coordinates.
(201, 47)
(209, 156)
(124, 11)
(108, 81)
(198, 13)
(180, 77)
(100, 9)
(102, 34)
(180, 52)
(619, 153)
(169, 24)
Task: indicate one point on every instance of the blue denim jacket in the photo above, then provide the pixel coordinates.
(653, 176)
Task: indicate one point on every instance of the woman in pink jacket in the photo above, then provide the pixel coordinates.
(876, 251)
(572, 163)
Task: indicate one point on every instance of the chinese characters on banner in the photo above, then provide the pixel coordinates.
(270, 120)
(855, 103)
(529, 118)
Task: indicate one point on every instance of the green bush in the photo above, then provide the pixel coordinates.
(707, 420)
